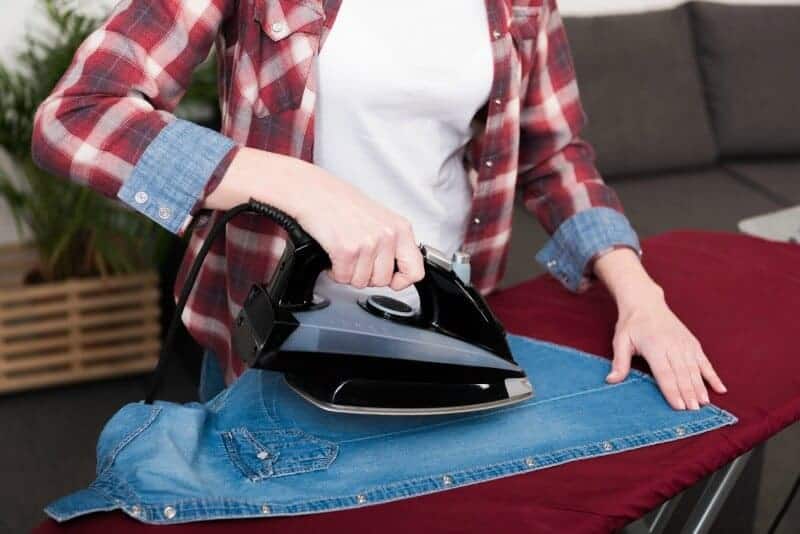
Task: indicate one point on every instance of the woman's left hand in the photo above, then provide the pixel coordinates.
(647, 326)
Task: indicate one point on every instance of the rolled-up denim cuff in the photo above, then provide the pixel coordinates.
(580, 238)
(170, 177)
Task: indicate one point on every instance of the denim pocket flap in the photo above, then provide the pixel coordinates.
(261, 454)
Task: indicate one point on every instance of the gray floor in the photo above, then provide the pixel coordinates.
(48, 437)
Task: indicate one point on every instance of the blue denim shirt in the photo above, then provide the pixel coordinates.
(257, 449)
(188, 154)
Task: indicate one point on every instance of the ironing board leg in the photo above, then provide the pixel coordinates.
(717, 489)
(659, 521)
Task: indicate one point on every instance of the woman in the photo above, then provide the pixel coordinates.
(376, 127)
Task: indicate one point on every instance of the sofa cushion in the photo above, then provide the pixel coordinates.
(748, 57)
(640, 86)
(707, 200)
(779, 178)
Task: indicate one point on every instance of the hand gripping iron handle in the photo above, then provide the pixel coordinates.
(446, 303)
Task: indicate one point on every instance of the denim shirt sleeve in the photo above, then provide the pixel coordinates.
(170, 177)
(580, 238)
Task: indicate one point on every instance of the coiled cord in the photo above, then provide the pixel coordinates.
(296, 234)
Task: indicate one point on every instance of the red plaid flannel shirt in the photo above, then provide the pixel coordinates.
(129, 76)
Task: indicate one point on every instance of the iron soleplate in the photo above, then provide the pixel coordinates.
(381, 397)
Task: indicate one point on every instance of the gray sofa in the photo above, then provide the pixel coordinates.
(694, 113)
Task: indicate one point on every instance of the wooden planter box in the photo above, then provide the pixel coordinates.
(76, 330)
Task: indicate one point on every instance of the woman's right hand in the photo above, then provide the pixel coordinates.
(363, 238)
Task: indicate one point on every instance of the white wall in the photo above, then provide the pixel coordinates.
(19, 16)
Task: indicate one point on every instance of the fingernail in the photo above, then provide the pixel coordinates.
(694, 405)
(724, 389)
(681, 405)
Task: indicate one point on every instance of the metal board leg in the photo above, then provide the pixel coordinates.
(717, 489)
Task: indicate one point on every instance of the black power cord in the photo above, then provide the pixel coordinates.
(296, 234)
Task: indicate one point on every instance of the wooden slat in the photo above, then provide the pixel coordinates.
(146, 296)
(148, 329)
(64, 323)
(14, 350)
(76, 330)
(23, 294)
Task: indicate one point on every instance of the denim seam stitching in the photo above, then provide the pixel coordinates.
(511, 467)
(154, 413)
(506, 409)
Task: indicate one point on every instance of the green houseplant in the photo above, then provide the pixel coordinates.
(89, 306)
(75, 231)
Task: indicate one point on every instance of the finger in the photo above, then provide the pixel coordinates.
(623, 353)
(362, 273)
(383, 269)
(343, 264)
(665, 378)
(708, 372)
(697, 381)
(410, 266)
(684, 381)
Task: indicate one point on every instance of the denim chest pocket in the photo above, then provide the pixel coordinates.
(276, 54)
(264, 454)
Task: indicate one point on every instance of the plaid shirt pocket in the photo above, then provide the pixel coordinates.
(276, 54)
(524, 22)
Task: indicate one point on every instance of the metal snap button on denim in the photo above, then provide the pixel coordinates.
(136, 510)
(164, 212)
(262, 455)
(361, 499)
(265, 509)
(680, 431)
(447, 480)
(607, 446)
(140, 197)
(170, 512)
(530, 462)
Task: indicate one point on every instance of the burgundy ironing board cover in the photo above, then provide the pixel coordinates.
(740, 295)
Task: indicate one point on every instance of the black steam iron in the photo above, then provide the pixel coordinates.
(345, 352)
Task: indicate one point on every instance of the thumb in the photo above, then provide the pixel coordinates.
(623, 352)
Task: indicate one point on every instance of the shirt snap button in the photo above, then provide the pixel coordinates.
(447, 480)
(361, 498)
(530, 462)
(170, 512)
(278, 28)
(551, 264)
(498, 101)
(476, 220)
(140, 197)
(262, 455)
(265, 509)
(136, 510)
(497, 34)
(164, 212)
(680, 431)
(607, 446)
(489, 163)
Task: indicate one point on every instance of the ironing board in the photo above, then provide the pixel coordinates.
(741, 297)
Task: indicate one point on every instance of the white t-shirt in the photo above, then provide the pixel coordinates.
(399, 84)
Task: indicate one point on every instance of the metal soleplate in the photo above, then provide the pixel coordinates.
(518, 389)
